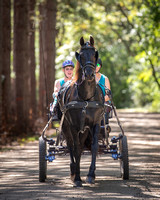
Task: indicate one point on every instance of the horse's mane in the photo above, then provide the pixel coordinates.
(77, 73)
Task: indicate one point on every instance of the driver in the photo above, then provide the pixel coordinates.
(67, 68)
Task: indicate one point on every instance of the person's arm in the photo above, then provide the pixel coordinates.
(56, 87)
(107, 84)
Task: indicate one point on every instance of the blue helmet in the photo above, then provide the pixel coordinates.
(67, 63)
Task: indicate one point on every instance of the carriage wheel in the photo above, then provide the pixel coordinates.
(124, 162)
(42, 160)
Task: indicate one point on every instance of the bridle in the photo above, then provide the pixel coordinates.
(88, 64)
(92, 65)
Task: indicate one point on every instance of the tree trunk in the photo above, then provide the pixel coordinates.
(1, 24)
(42, 73)
(47, 53)
(50, 51)
(6, 46)
(21, 64)
(32, 64)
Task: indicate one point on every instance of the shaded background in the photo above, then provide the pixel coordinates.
(36, 36)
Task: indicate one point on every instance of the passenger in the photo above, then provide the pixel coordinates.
(102, 80)
(104, 83)
(67, 68)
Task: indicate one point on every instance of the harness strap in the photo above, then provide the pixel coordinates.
(83, 115)
(81, 105)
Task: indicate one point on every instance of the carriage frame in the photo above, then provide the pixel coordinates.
(117, 147)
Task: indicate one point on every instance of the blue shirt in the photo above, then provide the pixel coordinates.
(101, 83)
(54, 96)
(62, 81)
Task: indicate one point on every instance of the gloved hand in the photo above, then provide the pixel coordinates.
(108, 92)
(53, 104)
(51, 109)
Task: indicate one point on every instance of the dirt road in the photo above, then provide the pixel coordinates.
(19, 168)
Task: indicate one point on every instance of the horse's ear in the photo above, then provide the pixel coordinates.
(77, 56)
(96, 56)
(91, 41)
(81, 41)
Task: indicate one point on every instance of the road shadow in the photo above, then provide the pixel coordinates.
(19, 168)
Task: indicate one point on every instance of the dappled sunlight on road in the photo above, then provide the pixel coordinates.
(19, 168)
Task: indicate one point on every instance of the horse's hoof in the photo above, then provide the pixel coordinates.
(90, 180)
(77, 183)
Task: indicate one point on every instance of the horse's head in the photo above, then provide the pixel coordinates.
(87, 57)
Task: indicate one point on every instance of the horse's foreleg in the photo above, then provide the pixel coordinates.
(94, 149)
(72, 165)
(69, 140)
(77, 157)
(77, 154)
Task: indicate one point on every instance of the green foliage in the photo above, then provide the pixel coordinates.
(127, 37)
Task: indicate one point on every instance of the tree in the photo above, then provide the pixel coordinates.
(137, 27)
(49, 47)
(32, 64)
(127, 35)
(74, 19)
(42, 72)
(6, 46)
(21, 64)
(1, 25)
(48, 50)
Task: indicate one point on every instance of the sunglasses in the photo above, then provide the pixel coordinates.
(98, 65)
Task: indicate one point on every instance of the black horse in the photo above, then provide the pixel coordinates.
(82, 106)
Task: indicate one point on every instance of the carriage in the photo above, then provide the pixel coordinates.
(81, 123)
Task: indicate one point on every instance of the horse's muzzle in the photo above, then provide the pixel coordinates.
(89, 73)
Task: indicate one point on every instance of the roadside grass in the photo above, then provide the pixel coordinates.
(137, 110)
(51, 132)
(5, 149)
(28, 139)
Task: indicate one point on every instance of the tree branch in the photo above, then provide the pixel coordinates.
(128, 21)
(154, 73)
(124, 41)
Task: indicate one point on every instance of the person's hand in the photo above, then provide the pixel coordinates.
(108, 92)
(51, 107)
